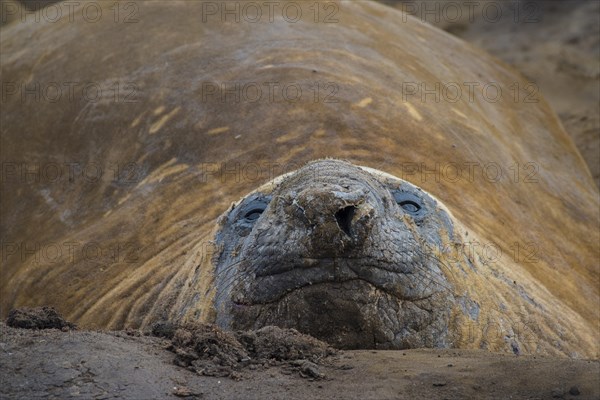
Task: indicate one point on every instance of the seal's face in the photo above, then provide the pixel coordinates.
(338, 252)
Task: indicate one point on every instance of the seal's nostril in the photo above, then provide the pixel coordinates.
(344, 219)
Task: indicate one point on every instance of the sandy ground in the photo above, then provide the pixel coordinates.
(555, 44)
(53, 364)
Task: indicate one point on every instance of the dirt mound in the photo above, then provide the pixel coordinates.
(208, 350)
(280, 344)
(38, 318)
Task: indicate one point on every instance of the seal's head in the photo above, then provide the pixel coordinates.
(341, 252)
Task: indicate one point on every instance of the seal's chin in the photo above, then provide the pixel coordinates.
(352, 314)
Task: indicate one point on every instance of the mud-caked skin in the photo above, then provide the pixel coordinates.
(340, 253)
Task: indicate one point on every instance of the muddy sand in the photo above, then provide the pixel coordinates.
(206, 363)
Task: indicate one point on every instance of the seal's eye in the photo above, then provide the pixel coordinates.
(253, 214)
(409, 202)
(410, 206)
(251, 209)
(243, 216)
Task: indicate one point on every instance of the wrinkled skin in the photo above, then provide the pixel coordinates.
(341, 254)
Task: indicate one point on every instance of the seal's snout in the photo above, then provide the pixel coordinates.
(337, 217)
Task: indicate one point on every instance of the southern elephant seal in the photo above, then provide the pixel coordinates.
(120, 151)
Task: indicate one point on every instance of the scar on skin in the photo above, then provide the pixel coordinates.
(136, 121)
(159, 124)
(458, 113)
(319, 133)
(216, 131)
(287, 137)
(413, 112)
(159, 110)
(364, 102)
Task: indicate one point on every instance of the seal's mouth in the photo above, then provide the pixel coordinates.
(351, 313)
(272, 283)
(325, 284)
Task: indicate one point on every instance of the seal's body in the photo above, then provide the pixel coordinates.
(151, 140)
